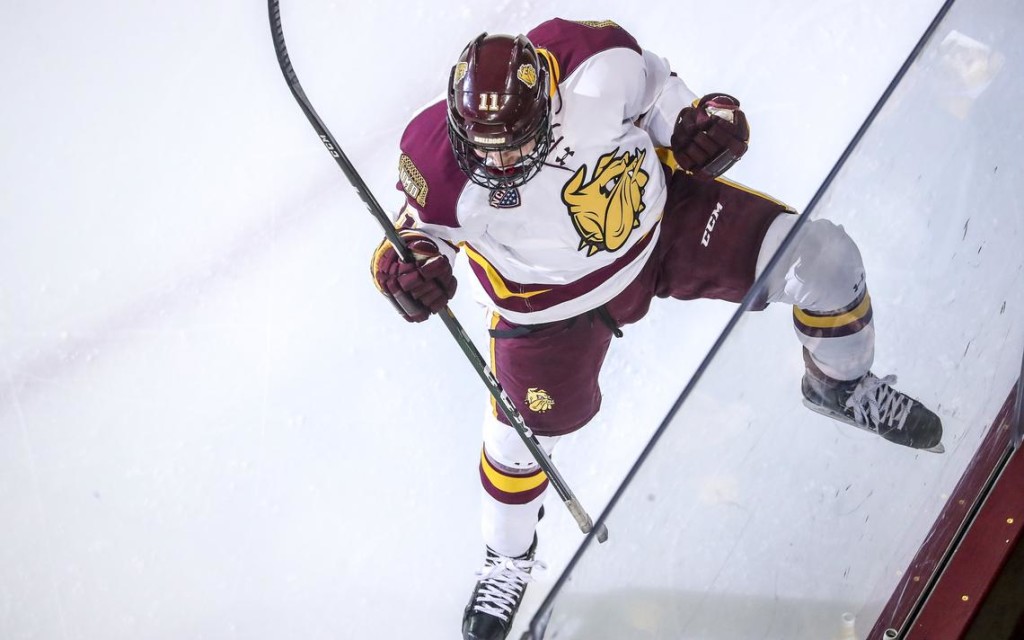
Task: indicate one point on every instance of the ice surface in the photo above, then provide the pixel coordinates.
(200, 432)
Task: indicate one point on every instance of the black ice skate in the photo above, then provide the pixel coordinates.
(870, 403)
(497, 595)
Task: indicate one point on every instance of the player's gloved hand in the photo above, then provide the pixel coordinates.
(416, 288)
(710, 137)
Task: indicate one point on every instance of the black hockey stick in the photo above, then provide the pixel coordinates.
(500, 397)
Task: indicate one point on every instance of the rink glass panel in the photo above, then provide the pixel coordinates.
(754, 517)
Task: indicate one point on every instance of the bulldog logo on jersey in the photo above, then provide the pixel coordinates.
(606, 209)
(539, 400)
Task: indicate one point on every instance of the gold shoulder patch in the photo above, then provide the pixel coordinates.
(597, 24)
(412, 180)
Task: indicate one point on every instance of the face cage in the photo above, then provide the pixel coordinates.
(488, 177)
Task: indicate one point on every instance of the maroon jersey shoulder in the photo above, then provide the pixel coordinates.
(572, 43)
(427, 171)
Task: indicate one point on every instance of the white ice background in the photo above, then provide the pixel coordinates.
(211, 424)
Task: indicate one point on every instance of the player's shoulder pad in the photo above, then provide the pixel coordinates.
(427, 171)
(573, 43)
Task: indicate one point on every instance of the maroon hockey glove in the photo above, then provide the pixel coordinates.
(710, 137)
(416, 288)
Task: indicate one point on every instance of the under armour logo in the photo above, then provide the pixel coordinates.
(565, 156)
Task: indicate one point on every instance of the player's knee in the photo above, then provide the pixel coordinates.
(504, 446)
(828, 271)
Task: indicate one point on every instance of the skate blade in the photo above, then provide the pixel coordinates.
(839, 417)
(842, 417)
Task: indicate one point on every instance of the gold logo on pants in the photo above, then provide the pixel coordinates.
(539, 400)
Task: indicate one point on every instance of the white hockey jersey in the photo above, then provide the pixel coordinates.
(580, 231)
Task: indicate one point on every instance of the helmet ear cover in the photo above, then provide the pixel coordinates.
(498, 100)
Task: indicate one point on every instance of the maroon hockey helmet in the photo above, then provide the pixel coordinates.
(498, 100)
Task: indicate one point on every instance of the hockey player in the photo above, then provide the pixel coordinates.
(581, 177)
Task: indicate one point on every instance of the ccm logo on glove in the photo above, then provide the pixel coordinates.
(711, 136)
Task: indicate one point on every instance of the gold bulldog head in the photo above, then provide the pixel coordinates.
(607, 209)
(539, 400)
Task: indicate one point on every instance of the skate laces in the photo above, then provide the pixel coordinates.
(875, 402)
(503, 582)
